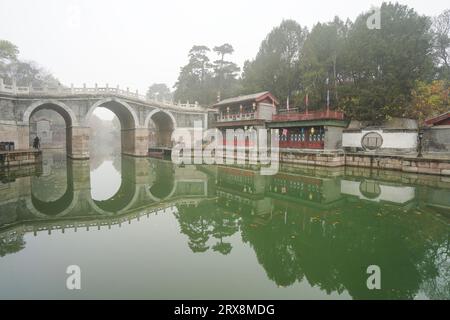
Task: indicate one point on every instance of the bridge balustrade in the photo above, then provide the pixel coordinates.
(62, 90)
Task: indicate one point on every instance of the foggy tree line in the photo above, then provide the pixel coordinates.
(401, 69)
(24, 73)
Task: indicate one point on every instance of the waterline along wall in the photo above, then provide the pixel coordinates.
(19, 158)
(434, 166)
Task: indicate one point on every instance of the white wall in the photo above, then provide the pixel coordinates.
(352, 139)
(394, 194)
(265, 111)
(391, 140)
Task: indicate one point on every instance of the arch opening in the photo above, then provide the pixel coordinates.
(127, 121)
(50, 127)
(50, 123)
(126, 115)
(105, 135)
(105, 154)
(161, 126)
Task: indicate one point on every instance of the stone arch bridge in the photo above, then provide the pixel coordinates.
(75, 105)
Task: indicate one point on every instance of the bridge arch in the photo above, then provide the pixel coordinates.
(50, 104)
(155, 111)
(124, 112)
(165, 123)
(130, 129)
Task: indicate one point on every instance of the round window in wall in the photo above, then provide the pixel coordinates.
(372, 141)
(370, 189)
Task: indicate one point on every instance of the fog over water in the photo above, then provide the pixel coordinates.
(137, 43)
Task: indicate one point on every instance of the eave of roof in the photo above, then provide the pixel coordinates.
(438, 119)
(250, 97)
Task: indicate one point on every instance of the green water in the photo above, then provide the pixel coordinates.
(144, 228)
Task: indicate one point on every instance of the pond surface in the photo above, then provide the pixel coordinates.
(144, 228)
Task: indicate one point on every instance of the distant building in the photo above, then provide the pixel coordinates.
(314, 130)
(252, 110)
(310, 130)
(306, 136)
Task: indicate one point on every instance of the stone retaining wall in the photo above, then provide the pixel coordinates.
(326, 159)
(19, 158)
(383, 162)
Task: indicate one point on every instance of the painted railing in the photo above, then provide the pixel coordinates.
(314, 115)
(237, 117)
(302, 144)
(96, 90)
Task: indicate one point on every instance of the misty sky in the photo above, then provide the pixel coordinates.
(136, 43)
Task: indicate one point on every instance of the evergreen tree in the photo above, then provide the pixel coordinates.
(276, 67)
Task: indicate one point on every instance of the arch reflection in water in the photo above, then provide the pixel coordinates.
(106, 179)
(162, 184)
(52, 191)
(80, 189)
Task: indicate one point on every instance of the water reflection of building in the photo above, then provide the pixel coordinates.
(332, 252)
(242, 189)
(320, 232)
(371, 190)
(300, 188)
(301, 227)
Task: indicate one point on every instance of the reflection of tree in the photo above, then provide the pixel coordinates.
(333, 251)
(8, 214)
(273, 245)
(11, 245)
(104, 136)
(98, 158)
(194, 224)
(204, 222)
(224, 225)
(438, 287)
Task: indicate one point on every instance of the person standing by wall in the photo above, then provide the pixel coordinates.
(37, 143)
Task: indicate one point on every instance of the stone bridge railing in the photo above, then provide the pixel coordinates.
(97, 223)
(96, 90)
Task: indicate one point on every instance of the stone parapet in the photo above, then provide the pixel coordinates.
(19, 158)
(314, 158)
(379, 162)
